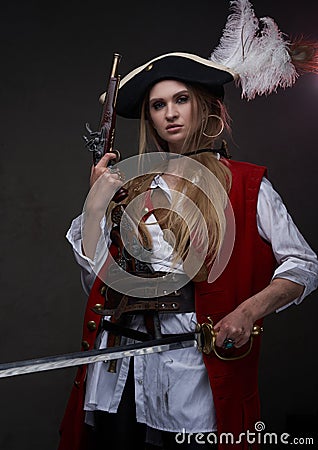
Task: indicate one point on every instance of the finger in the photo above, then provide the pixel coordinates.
(221, 327)
(103, 162)
(221, 335)
(240, 343)
(225, 333)
(114, 170)
(220, 338)
(113, 178)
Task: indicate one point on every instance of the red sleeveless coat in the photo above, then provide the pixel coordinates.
(234, 383)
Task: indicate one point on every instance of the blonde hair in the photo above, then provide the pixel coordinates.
(209, 195)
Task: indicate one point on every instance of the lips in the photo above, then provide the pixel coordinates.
(173, 127)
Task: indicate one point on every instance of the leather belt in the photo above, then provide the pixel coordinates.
(120, 307)
(179, 301)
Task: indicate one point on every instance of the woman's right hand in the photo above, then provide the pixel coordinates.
(100, 168)
(103, 185)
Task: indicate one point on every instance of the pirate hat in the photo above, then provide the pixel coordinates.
(175, 66)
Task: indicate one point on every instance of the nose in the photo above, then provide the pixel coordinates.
(171, 111)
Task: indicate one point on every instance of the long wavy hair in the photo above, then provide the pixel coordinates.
(201, 224)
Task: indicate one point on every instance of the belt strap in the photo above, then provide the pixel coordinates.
(120, 330)
(179, 301)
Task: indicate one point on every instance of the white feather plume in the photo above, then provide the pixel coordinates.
(256, 50)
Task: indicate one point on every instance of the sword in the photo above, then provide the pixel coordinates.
(203, 338)
(91, 356)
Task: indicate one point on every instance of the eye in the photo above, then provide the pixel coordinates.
(157, 105)
(183, 99)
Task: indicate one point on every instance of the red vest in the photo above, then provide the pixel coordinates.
(234, 383)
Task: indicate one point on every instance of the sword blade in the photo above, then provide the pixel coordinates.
(91, 356)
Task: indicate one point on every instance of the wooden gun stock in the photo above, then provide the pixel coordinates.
(102, 141)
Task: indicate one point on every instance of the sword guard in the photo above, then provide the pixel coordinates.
(206, 337)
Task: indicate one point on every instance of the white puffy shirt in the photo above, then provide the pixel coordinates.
(172, 389)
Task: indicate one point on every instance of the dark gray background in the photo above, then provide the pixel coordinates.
(55, 59)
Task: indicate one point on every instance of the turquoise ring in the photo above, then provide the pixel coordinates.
(228, 343)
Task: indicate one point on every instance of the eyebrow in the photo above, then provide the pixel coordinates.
(183, 91)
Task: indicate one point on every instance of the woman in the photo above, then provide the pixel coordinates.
(183, 398)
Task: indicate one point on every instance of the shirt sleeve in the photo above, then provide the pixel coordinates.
(296, 260)
(89, 267)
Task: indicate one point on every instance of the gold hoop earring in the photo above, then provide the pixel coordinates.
(222, 127)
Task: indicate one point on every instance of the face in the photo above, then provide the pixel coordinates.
(171, 112)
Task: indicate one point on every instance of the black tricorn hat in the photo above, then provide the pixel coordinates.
(184, 67)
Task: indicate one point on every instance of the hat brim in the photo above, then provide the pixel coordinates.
(179, 66)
